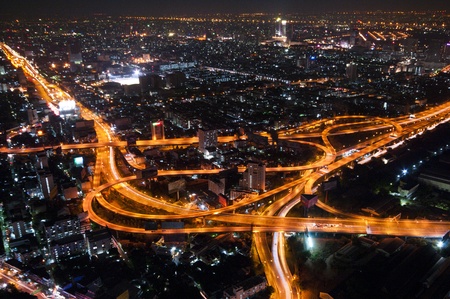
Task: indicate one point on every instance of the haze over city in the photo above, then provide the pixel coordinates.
(225, 149)
(51, 8)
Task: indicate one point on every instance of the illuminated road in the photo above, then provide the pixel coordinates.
(446, 69)
(277, 272)
(281, 250)
(276, 269)
(142, 198)
(333, 159)
(22, 286)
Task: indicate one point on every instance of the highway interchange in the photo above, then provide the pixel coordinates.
(273, 218)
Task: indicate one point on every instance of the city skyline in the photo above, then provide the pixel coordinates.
(157, 150)
(49, 8)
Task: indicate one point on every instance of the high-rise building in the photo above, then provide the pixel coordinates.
(32, 116)
(223, 181)
(216, 185)
(351, 71)
(434, 51)
(18, 229)
(280, 30)
(47, 183)
(99, 241)
(41, 160)
(71, 245)
(409, 46)
(310, 61)
(158, 130)
(75, 53)
(206, 138)
(254, 177)
(447, 52)
(175, 79)
(62, 228)
(283, 31)
(75, 57)
(149, 82)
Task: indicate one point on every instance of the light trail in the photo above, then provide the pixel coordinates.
(404, 128)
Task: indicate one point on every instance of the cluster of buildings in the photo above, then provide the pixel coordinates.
(41, 221)
(206, 253)
(193, 72)
(397, 268)
(158, 78)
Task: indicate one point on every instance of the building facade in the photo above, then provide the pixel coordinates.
(206, 138)
(254, 177)
(62, 228)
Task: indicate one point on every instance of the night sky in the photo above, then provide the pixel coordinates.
(42, 8)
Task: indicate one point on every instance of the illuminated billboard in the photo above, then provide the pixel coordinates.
(78, 161)
(67, 105)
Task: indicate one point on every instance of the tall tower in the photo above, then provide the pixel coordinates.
(47, 184)
(75, 57)
(41, 161)
(280, 30)
(351, 71)
(283, 31)
(158, 130)
(447, 52)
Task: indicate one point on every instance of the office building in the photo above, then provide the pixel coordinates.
(18, 229)
(280, 30)
(32, 116)
(216, 185)
(206, 138)
(47, 184)
(223, 181)
(62, 228)
(75, 57)
(98, 241)
(41, 160)
(351, 71)
(158, 130)
(71, 245)
(254, 177)
(447, 52)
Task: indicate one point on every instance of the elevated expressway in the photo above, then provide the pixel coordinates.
(311, 180)
(277, 272)
(446, 69)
